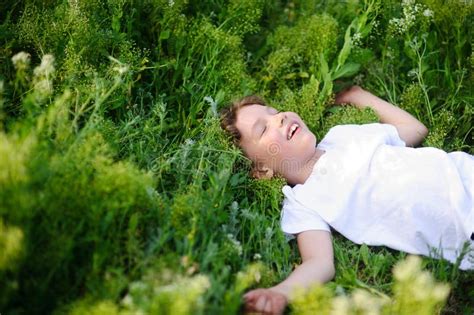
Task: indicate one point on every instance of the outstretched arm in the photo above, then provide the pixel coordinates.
(318, 266)
(410, 130)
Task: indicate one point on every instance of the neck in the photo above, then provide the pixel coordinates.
(300, 174)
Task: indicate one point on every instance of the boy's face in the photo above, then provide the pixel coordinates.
(277, 140)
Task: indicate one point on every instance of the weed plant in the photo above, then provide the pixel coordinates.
(120, 194)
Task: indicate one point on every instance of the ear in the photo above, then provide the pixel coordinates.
(262, 172)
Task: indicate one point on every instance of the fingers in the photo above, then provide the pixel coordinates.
(251, 296)
(279, 304)
(257, 301)
(262, 304)
(268, 307)
(348, 95)
(275, 305)
(263, 301)
(341, 97)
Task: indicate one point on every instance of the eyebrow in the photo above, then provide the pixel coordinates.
(253, 132)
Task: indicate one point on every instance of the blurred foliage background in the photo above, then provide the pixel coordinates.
(119, 193)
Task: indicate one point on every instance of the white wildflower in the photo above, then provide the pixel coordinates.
(224, 227)
(341, 305)
(422, 280)
(200, 283)
(74, 4)
(367, 303)
(186, 148)
(407, 268)
(359, 79)
(411, 11)
(356, 39)
(440, 292)
(428, 13)
(257, 256)
(268, 233)
(249, 276)
(120, 67)
(44, 86)
(412, 73)
(245, 213)
(212, 103)
(127, 301)
(238, 247)
(189, 142)
(399, 26)
(46, 68)
(416, 8)
(234, 206)
(138, 286)
(235, 243)
(197, 284)
(21, 60)
(43, 76)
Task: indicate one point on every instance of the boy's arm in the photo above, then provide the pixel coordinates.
(410, 130)
(318, 266)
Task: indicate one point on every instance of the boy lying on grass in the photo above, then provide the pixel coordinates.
(367, 182)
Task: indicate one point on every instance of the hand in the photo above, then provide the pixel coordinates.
(353, 95)
(265, 301)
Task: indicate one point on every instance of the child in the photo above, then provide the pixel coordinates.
(365, 181)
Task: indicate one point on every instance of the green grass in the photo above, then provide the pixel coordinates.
(120, 193)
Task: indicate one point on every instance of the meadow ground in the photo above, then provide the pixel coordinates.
(119, 193)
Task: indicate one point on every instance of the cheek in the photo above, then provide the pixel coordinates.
(250, 150)
(263, 151)
(307, 138)
(275, 145)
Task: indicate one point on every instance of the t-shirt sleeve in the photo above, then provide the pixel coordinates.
(391, 134)
(376, 133)
(296, 218)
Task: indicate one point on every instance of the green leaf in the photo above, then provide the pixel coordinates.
(346, 48)
(326, 79)
(364, 253)
(347, 70)
(303, 74)
(165, 35)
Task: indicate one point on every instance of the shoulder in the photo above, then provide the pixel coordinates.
(376, 133)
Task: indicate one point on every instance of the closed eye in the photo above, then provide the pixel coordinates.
(265, 128)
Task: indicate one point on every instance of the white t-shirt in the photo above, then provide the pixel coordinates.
(373, 189)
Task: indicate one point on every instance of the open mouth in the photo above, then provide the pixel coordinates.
(292, 130)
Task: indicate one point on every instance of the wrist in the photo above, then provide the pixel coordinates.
(282, 289)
